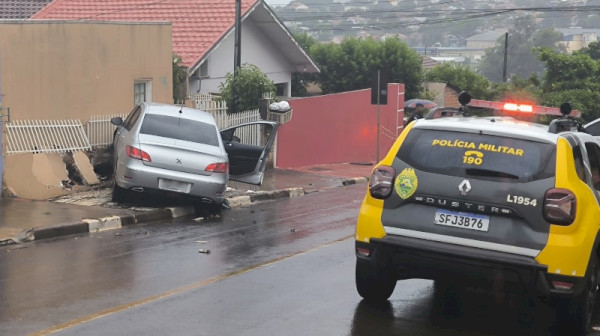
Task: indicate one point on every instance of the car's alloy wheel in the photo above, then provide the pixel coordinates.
(371, 285)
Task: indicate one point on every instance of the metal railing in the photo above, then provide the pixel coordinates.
(45, 136)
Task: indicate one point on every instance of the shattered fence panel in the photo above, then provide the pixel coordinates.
(100, 131)
(45, 136)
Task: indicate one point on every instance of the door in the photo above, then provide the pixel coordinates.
(248, 146)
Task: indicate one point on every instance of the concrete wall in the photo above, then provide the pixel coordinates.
(256, 49)
(339, 128)
(72, 70)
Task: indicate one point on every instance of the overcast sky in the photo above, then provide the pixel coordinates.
(273, 3)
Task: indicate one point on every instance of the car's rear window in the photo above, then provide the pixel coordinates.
(180, 129)
(478, 155)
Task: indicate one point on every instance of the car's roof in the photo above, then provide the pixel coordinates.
(500, 126)
(178, 111)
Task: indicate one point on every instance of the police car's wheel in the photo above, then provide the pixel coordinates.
(373, 286)
(576, 315)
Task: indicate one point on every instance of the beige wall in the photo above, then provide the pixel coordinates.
(73, 70)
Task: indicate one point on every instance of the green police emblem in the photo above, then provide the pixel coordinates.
(406, 183)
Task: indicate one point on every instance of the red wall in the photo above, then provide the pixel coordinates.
(339, 128)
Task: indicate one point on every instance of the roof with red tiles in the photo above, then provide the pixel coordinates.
(197, 24)
(21, 9)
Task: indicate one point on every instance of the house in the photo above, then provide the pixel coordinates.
(485, 40)
(57, 76)
(203, 35)
(576, 38)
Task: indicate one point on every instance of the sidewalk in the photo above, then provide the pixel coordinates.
(92, 211)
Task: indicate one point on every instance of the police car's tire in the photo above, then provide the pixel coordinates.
(575, 315)
(371, 285)
(447, 300)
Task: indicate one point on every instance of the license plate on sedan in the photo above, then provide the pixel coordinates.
(463, 220)
(172, 185)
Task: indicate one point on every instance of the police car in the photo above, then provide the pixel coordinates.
(480, 200)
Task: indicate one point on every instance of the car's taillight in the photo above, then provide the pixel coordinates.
(560, 206)
(137, 153)
(219, 167)
(381, 182)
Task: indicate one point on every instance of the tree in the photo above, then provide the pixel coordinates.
(179, 80)
(251, 83)
(521, 59)
(571, 78)
(466, 79)
(592, 50)
(301, 80)
(518, 89)
(351, 64)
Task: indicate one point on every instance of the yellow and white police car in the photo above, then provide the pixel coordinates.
(471, 200)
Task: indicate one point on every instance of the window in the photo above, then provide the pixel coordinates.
(180, 129)
(280, 89)
(594, 156)
(203, 71)
(593, 128)
(579, 164)
(485, 157)
(132, 117)
(142, 91)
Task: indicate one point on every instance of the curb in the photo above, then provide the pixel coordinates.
(116, 222)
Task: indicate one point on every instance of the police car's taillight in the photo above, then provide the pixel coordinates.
(560, 206)
(381, 182)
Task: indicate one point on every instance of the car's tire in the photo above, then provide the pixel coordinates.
(119, 195)
(574, 315)
(447, 298)
(371, 285)
(208, 209)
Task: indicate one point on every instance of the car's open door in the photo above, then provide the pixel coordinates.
(248, 146)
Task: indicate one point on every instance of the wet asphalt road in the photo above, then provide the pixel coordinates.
(278, 268)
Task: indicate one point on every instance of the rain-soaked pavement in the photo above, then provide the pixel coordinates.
(277, 268)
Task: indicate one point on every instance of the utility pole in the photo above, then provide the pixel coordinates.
(505, 57)
(237, 52)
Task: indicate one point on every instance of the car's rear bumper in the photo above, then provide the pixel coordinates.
(142, 178)
(406, 257)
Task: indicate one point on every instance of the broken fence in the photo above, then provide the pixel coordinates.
(57, 136)
(45, 136)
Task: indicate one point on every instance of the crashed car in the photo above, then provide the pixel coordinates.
(488, 202)
(179, 151)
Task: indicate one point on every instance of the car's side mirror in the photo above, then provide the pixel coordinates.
(117, 121)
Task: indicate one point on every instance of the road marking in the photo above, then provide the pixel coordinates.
(120, 308)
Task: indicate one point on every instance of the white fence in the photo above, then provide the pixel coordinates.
(249, 135)
(45, 136)
(100, 130)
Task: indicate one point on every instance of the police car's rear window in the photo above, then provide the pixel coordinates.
(180, 129)
(478, 156)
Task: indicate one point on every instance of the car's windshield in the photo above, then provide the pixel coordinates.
(478, 155)
(180, 129)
